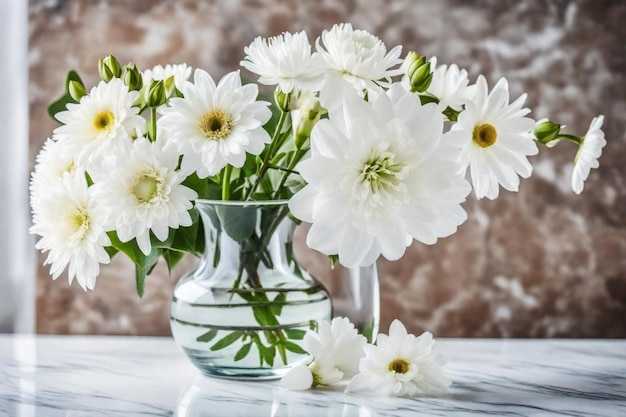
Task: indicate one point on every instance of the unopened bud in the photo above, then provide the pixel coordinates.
(76, 90)
(421, 78)
(412, 62)
(546, 131)
(305, 117)
(132, 77)
(109, 68)
(156, 94)
(170, 86)
(282, 99)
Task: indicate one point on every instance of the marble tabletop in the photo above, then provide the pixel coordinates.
(132, 376)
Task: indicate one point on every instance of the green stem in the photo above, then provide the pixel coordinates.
(270, 152)
(571, 138)
(228, 169)
(297, 156)
(153, 117)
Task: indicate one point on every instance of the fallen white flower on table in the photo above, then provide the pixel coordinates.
(401, 364)
(337, 348)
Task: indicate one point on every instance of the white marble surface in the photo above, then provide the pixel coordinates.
(110, 376)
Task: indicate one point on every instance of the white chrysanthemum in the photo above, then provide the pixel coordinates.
(354, 61)
(494, 139)
(337, 348)
(379, 175)
(180, 72)
(52, 163)
(449, 85)
(588, 154)
(100, 124)
(143, 192)
(215, 125)
(401, 365)
(284, 60)
(340, 341)
(70, 223)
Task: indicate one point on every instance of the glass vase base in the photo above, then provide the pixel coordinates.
(205, 365)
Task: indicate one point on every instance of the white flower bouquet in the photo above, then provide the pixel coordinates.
(373, 150)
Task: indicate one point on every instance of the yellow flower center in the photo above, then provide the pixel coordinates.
(147, 187)
(80, 221)
(484, 135)
(216, 124)
(399, 366)
(103, 121)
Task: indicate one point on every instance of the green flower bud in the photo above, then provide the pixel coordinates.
(305, 117)
(547, 131)
(283, 100)
(412, 62)
(421, 78)
(109, 68)
(170, 86)
(156, 94)
(417, 71)
(76, 90)
(132, 77)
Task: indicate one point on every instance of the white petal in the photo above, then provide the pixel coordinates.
(298, 378)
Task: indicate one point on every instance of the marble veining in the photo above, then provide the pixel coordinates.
(107, 376)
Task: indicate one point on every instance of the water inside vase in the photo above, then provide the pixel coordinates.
(202, 316)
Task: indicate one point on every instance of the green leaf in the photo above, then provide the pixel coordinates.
(425, 99)
(172, 257)
(227, 340)
(268, 354)
(243, 352)
(111, 251)
(237, 222)
(144, 268)
(208, 336)
(61, 104)
(189, 239)
(294, 348)
(295, 334)
(279, 301)
(282, 352)
(451, 114)
(143, 264)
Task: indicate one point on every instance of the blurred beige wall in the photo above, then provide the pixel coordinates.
(539, 263)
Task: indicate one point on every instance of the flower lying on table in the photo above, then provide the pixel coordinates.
(399, 364)
(372, 160)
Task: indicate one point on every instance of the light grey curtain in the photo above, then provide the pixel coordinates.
(17, 268)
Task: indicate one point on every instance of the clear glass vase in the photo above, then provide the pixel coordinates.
(355, 292)
(242, 312)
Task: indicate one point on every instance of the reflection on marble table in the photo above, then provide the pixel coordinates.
(109, 376)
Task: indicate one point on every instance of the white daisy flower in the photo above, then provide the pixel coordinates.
(52, 163)
(70, 223)
(401, 365)
(450, 86)
(181, 73)
(143, 192)
(494, 139)
(378, 176)
(215, 125)
(102, 122)
(588, 154)
(337, 348)
(284, 60)
(354, 61)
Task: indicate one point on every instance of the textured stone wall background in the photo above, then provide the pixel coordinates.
(538, 263)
